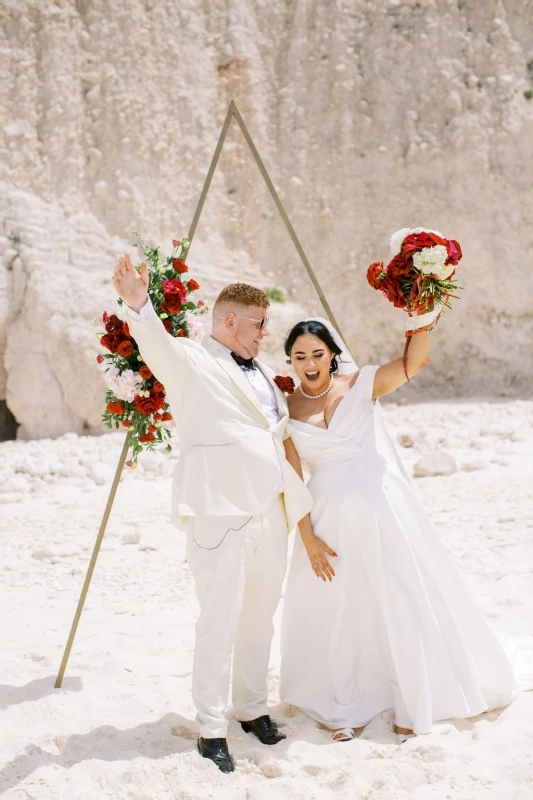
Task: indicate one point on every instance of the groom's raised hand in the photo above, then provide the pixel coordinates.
(130, 285)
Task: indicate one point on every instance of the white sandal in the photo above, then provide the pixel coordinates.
(343, 734)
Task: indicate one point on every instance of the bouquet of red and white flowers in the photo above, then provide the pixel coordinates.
(135, 399)
(419, 278)
(421, 271)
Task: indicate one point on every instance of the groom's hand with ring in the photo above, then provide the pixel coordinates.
(130, 285)
(317, 550)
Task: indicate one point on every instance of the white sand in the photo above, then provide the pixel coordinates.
(122, 726)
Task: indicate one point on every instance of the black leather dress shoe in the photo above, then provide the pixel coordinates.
(217, 751)
(265, 729)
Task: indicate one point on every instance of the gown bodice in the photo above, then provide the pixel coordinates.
(350, 434)
(358, 434)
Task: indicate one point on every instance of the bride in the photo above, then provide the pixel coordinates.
(376, 615)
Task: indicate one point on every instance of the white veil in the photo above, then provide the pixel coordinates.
(346, 363)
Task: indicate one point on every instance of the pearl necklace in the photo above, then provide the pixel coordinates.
(316, 396)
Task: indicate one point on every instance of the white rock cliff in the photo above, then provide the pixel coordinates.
(370, 116)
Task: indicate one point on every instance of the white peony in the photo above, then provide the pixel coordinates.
(432, 261)
(124, 386)
(196, 329)
(398, 237)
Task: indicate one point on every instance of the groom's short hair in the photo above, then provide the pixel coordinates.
(243, 295)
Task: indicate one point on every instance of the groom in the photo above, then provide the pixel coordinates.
(234, 493)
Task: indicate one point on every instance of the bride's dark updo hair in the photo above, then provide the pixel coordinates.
(318, 329)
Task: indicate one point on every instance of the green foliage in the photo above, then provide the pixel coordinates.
(440, 290)
(276, 295)
(528, 94)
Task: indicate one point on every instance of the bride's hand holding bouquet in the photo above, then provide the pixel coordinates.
(419, 279)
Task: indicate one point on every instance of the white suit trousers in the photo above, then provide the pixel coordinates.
(238, 565)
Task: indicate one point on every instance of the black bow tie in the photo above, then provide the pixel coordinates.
(245, 363)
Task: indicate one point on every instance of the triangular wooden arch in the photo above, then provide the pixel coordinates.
(233, 112)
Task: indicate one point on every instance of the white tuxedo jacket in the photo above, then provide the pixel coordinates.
(228, 448)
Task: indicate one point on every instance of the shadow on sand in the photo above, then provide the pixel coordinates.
(168, 735)
(35, 690)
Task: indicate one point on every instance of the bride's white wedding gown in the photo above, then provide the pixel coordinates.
(396, 628)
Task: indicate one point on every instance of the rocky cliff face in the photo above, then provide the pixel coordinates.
(370, 116)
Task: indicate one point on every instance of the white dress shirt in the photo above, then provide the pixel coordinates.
(267, 398)
(256, 377)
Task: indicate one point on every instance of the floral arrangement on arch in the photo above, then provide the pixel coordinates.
(135, 399)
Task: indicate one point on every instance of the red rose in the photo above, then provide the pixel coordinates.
(172, 304)
(152, 429)
(193, 285)
(105, 317)
(145, 372)
(147, 437)
(126, 423)
(158, 387)
(201, 304)
(436, 239)
(375, 274)
(419, 241)
(285, 383)
(170, 287)
(111, 341)
(158, 417)
(392, 291)
(126, 330)
(168, 325)
(117, 337)
(176, 242)
(400, 265)
(99, 358)
(149, 405)
(166, 416)
(455, 253)
(181, 332)
(113, 323)
(116, 408)
(125, 348)
(179, 265)
(174, 287)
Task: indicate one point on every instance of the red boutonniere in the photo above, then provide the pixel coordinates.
(285, 383)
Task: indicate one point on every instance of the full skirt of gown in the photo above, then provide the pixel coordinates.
(397, 627)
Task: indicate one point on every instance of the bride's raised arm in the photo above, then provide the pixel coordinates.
(392, 375)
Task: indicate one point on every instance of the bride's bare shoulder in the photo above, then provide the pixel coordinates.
(296, 404)
(292, 401)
